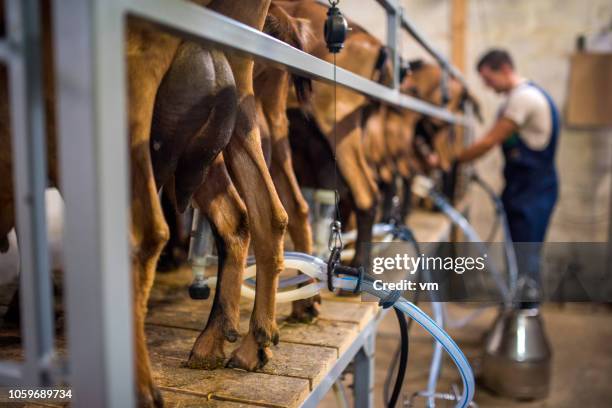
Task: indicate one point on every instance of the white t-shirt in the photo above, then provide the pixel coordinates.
(528, 108)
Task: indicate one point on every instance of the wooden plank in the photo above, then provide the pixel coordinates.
(301, 361)
(230, 385)
(190, 314)
(458, 30)
(176, 399)
(289, 359)
(326, 333)
(359, 313)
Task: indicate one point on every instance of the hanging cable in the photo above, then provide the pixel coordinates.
(335, 30)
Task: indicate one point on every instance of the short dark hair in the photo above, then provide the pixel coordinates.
(495, 59)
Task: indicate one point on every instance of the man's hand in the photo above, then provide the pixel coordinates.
(502, 130)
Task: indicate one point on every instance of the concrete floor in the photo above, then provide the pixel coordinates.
(580, 335)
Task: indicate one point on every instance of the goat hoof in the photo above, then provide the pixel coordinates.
(250, 355)
(150, 397)
(207, 352)
(266, 336)
(305, 310)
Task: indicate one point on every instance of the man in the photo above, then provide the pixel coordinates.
(527, 128)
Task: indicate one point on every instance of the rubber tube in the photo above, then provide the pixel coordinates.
(462, 363)
(423, 187)
(403, 359)
(307, 264)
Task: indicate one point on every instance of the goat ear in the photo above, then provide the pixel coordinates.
(304, 33)
(272, 26)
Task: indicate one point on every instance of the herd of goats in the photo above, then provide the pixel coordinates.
(238, 139)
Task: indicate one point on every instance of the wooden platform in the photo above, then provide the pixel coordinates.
(304, 356)
(302, 359)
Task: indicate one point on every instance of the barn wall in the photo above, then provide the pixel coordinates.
(541, 36)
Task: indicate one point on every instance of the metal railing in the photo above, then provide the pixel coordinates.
(21, 52)
(89, 60)
(392, 7)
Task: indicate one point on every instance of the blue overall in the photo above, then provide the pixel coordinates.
(530, 193)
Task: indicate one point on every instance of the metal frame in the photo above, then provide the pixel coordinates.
(392, 7)
(89, 42)
(93, 146)
(202, 25)
(21, 52)
(361, 353)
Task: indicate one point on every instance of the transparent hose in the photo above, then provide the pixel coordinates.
(462, 363)
(423, 187)
(309, 265)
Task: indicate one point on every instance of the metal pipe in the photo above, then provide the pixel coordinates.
(89, 40)
(393, 25)
(436, 361)
(30, 180)
(199, 24)
(5, 51)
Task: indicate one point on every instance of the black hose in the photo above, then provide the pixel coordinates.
(399, 349)
(403, 360)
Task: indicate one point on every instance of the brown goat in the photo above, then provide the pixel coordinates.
(150, 56)
(364, 55)
(224, 207)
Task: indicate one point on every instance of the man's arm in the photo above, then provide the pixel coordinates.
(502, 130)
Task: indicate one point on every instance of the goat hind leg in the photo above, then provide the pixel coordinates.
(303, 310)
(219, 200)
(267, 223)
(149, 235)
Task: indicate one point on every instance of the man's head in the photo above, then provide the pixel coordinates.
(497, 70)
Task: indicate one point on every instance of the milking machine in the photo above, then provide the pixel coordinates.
(317, 275)
(517, 354)
(200, 255)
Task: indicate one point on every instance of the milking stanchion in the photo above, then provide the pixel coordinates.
(93, 161)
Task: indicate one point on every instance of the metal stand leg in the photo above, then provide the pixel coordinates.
(30, 176)
(363, 391)
(93, 146)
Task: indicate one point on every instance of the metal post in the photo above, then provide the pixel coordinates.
(363, 365)
(30, 180)
(89, 45)
(393, 25)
